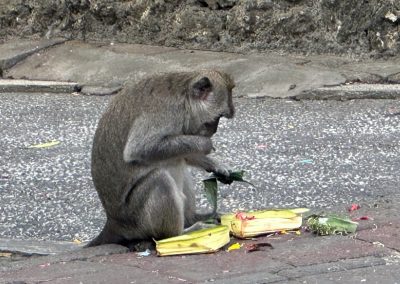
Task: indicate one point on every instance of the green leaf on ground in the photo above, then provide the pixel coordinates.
(331, 225)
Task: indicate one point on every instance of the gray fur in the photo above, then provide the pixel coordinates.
(145, 141)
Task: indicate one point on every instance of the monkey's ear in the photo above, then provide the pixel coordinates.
(202, 88)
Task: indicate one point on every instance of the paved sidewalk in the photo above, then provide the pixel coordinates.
(372, 255)
(102, 68)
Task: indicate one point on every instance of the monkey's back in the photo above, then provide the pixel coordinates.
(111, 175)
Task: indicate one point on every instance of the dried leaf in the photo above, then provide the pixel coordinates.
(257, 246)
(77, 241)
(5, 254)
(45, 145)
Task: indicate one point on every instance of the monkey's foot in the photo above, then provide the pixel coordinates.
(141, 246)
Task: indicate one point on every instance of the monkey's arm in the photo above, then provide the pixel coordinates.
(207, 163)
(152, 148)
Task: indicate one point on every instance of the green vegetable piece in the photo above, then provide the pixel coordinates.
(211, 185)
(211, 190)
(331, 225)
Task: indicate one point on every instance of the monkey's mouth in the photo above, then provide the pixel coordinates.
(209, 128)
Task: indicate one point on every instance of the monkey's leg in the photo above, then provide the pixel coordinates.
(157, 206)
(153, 209)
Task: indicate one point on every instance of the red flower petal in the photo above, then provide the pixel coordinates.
(354, 207)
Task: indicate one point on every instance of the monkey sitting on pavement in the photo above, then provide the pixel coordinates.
(145, 142)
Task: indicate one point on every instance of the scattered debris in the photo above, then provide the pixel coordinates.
(147, 252)
(379, 244)
(257, 246)
(45, 145)
(363, 218)
(77, 241)
(244, 216)
(44, 265)
(262, 146)
(307, 161)
(5, 254)
(392, 16)
(234, 246)
(354, 207)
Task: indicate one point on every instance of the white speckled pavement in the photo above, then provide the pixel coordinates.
(299, 151)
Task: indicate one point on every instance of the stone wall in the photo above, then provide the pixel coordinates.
(308, 26)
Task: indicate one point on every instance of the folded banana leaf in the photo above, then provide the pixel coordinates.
(201, 241)
(251, 224)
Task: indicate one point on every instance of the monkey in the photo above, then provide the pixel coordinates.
(149, 136)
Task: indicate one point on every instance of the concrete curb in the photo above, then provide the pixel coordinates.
(99, 90)
(340, 93)
(351, 92)
(29, 86)
(33, 247)
(10, 60)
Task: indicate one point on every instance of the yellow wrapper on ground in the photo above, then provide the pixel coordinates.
(251, 224)
(201, 241)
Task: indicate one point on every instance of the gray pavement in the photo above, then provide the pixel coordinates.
(317, 154)
(322, 154)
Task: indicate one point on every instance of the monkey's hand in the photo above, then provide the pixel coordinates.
(220, 171)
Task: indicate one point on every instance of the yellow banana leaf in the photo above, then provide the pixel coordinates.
(251, 224)
(201, 241)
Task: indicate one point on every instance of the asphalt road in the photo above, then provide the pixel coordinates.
(318, 154)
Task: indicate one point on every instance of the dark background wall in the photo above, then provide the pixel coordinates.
(316, 26)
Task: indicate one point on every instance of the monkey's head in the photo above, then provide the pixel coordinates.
(210, 98)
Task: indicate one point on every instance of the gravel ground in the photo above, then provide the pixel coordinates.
(318, 154)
